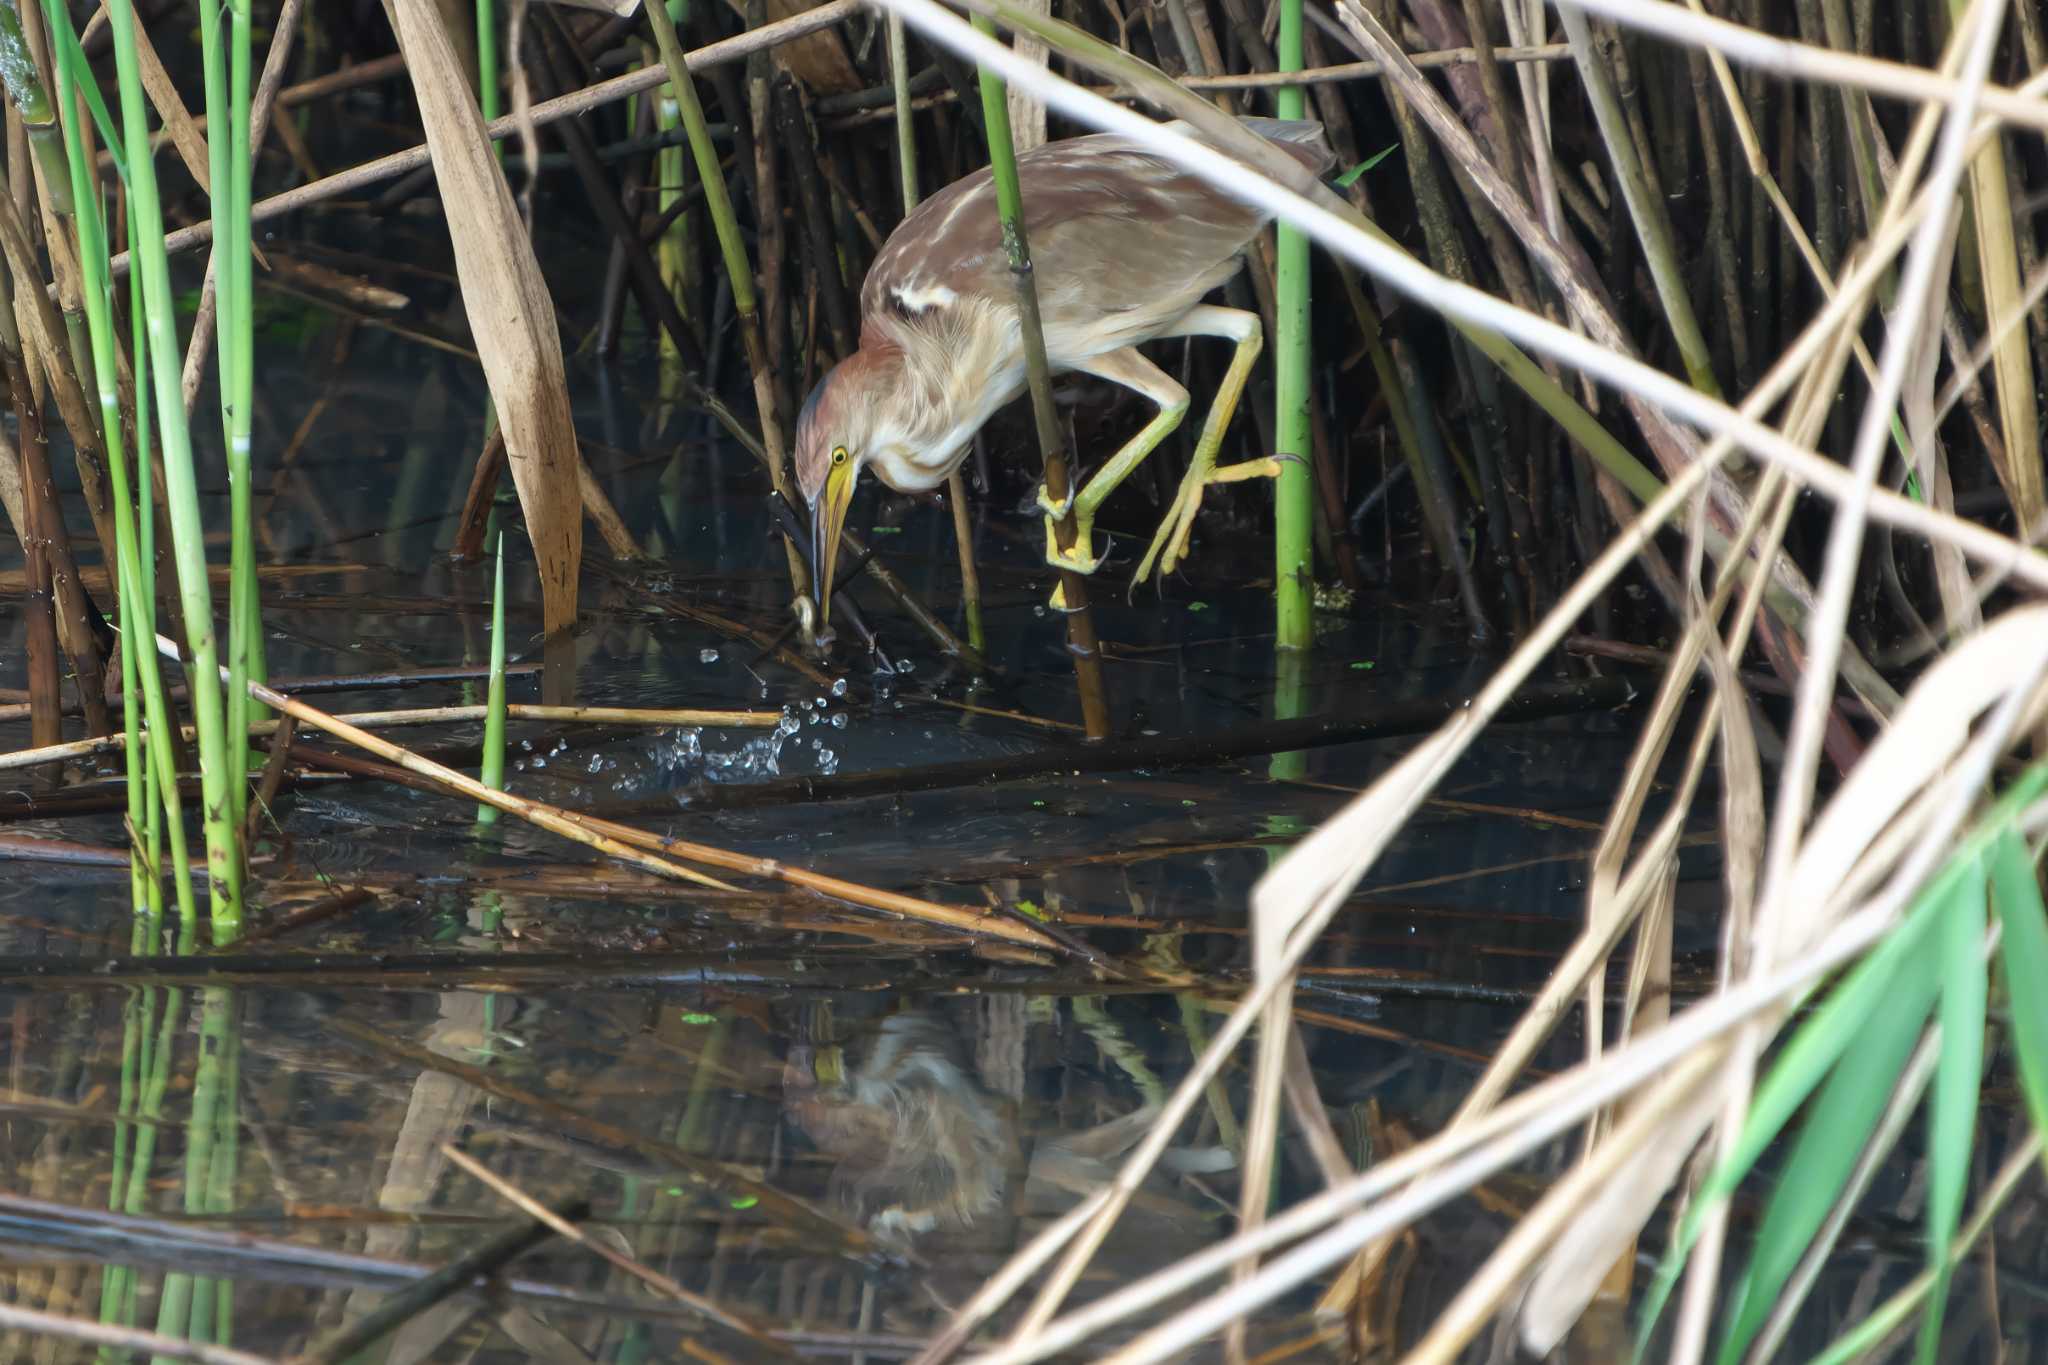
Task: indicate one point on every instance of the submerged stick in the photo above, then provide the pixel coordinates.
(480, 1262)
(1123, 755)
(755, 1332)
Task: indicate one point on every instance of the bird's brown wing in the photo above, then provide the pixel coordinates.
(1112, 228)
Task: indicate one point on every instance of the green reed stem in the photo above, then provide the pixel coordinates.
(1293, 492)
(220, 765)
(134, 520)
(1002, 157)
(487, 63)
(235, 339)
(492, 774)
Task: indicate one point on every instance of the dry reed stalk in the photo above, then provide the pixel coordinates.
(1798, 775)
(931, 912)
(429, 715)
(630, 845)
(511, 316)
(86, 1331)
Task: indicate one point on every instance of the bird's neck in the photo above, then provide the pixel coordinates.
(944, 382)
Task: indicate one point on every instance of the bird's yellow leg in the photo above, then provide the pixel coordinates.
(1132, 370)
(1170, 541)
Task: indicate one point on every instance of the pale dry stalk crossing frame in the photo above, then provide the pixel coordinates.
(1996, 673)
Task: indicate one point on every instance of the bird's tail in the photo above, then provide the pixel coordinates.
(1306, 131)
(1300, 138)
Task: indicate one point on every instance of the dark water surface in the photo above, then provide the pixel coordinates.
(509, 993)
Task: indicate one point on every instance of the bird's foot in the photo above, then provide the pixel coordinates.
(1078, 557)
(1170, 542)
(1055, 510)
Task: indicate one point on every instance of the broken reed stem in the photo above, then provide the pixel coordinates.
(1081, 639)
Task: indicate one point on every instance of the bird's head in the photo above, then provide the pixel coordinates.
(834, 438)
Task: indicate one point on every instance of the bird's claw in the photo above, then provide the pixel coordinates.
(1054, 510)
(1077, 558)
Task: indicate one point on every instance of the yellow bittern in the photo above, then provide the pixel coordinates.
(1124, 244)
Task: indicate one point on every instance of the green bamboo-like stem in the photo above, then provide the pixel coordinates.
(738, 271)
(217, 766)
(672, 253)
(32, 101)
(133, 511)
(165, 832)
(487, 62)
(1081, 640)
(134, 1036)
(227, 97)
(1293, 493)
(492, 774)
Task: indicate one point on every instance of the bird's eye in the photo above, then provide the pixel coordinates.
(838, 455)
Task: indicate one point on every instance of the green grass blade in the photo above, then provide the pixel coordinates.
(1838, 1124)
(2023, 949)
(1800, 1067)
(1952, 1113)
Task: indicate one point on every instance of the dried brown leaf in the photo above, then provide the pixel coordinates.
(510, 313)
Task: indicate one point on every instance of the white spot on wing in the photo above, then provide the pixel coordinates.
(915, 296)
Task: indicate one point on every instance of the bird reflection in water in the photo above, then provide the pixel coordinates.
(920, 1148)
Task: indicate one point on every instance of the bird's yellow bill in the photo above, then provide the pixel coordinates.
(828, 519)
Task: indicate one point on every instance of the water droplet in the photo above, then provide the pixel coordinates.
(839, 721)
(839, 688)
(707, 656)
